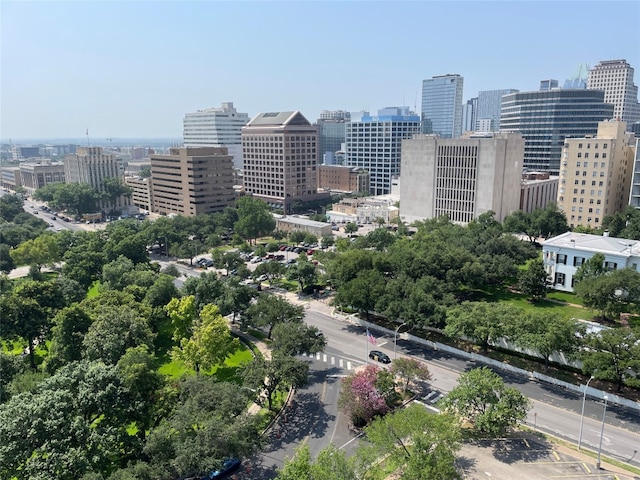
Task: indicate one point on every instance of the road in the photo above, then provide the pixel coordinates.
(555, 409)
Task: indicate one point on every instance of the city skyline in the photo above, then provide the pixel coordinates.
(134, 69)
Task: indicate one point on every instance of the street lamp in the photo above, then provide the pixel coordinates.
(395, 341)
(604, 413)
(584, 397)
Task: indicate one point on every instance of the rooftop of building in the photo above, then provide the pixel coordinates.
(595, 243)
(278, 119)
(298, 220)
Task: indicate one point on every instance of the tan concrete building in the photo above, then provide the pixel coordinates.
(141, 195)
(538, 190)
(37, 174)
(93, 166)
(192, 180)
(294, 223)
(343, 178)
(461, 178)
(595, 174)
(280, 159)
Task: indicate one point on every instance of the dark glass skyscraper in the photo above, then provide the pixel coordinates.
(331, 134)
(546, 118)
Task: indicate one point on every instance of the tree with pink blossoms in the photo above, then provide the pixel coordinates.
(359, 397)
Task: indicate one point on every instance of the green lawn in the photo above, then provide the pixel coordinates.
(94, 290)
(494, 294)
(223, 372)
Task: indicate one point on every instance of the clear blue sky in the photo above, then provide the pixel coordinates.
(133, 69)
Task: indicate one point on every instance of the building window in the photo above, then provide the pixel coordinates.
(562, 259)
(610, 265)
(579, 155)
(586, 154)
(578, 261)
(560, 278)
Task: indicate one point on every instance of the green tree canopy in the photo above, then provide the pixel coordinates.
(254, 218)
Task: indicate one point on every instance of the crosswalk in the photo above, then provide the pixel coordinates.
(332, 360)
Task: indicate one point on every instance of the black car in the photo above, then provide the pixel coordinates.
(229, 466)
(378, 356)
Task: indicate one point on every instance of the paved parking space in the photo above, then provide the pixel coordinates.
(531, 458)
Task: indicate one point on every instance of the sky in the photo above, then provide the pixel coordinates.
(125, 69)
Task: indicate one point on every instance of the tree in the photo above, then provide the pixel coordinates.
(424, 445)
(280, 372)
(327, 241)
(140, 377)
(227, 260)
(410, 369)
(612, 355)
(210, 343)
(23, 317)
(10, 207)
(113, 188)
(42, 250)
(236, 298)
(610, 293)
(183, 313)
(331, 464)
(359, 397)
(534, 281)
(114, 331)
(362, 292)
(350, 228)
(273, 271)
(70, 325)
(254, 218)
(592, 267)
(6, 261)
(207, 288)
(482, 322)
(297, 236)
(482, 398)
(546, 333)
(297, 338)
(271, 310)
(209, 423)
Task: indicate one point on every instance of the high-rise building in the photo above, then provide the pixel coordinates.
(595, 175)
(488, 110)
(615, 79)
(579, 78)
(216, 127)
(461, 178)
(280, 151)
(469, 115)
(374, 144)
(634, 194)
(331, 134)
(191, 181)
(92, 166)
(546, 117)
(442, 105)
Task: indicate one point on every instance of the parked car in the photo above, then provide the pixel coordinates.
(379, 356)
(229, 466)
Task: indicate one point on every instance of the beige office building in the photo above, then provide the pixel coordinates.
(615, 78)
(461, 178)
(37, 174)
(191, 181)
(140, 191)
(92, 166)
(595, 174)
(281, 159)
(539, 189)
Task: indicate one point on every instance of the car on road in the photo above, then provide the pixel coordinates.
(205, 262)
(229, 466)
(379, 356)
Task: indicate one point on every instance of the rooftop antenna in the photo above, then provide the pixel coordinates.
(88, 144)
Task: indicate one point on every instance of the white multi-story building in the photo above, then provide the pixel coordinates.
(374, 144)
(634, 194)
(564, 254)
(216, 127)
(615, 78)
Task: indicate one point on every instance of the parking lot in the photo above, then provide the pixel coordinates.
(532, 458)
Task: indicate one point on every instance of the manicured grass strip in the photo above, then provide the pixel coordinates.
(94, 290)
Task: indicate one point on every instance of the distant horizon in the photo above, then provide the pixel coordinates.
(82, 142)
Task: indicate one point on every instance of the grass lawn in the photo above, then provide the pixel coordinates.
(94, 290)
(223, 372)
(494, 294)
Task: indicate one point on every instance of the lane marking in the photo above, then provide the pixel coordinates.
(555, 454)
(584, 465)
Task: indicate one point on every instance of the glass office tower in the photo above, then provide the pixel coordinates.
(442, 105)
